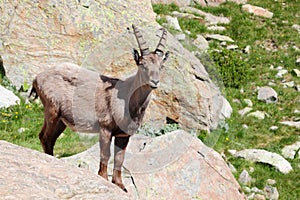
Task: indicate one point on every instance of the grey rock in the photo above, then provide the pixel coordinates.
(273, 128)
(289, 84)
(256, 190)
(271, 182)
(296, 27)
(209, 18)
(296, 71)
(281, 72)
(232, 168)
(289, 151)
(172, 166)
(232, 47)
(259, 11)
(248, 102)
(201, 43)
(259, 197)
(271, 192)
(173, 23)
(29, 174)
(257, 114)
(244, 111)
(263, 156)
(247, 49)
(7, 98)
(267, 94)
(219, 37)
(245, 178)
(297, 87)
(226, 109)
(291, 123)
(216, 28)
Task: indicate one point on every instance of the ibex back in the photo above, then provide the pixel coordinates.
(89, 102)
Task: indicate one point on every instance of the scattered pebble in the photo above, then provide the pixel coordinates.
(271, 181)
(273, 128)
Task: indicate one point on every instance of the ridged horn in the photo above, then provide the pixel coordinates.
(162, 42)
(140, 40)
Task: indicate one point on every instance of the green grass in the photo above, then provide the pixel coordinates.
(29, 117)
(247, 29)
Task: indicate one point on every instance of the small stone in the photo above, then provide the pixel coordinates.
(251, 169)
(248, 102)
(173, 22)
(232, 151)
(256, 190)
(221, 38)
(263, 156)
(259, 197)
(247, 49)
(259, 11)
(291, 123)
(201, 43)
(245, 178)
(216, 28)
(245, 126)
(267, 94)
(246, 189)
(297, 87)
(258, 114)
(289, 84)
(289, 151)
(280, 73)
(232, 168)
(296, 111)
(21, 130)
(296, 72)
(251, 196)
(232, 47)
(271, 192)
(296, 27)
(273, 128)
(271, 182)
(244, 111)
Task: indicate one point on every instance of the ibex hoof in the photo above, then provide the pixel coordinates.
(120, 185)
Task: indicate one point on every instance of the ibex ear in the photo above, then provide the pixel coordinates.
(136, 56)
(166, 56)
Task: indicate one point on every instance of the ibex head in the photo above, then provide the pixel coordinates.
(150, 63)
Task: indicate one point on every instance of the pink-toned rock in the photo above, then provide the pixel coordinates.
(259, 11)
(172, 166)
(29, 174)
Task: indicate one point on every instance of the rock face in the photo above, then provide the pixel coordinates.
(29, 174)
(7, 98)
(172, 166)
(95, 34)
(263, 156)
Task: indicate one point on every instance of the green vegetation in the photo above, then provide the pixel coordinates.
(22, 123)
(239, 71)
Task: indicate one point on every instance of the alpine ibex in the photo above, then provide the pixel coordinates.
(89, 102)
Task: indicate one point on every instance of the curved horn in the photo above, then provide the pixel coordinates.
(140, 40)
(162, 41)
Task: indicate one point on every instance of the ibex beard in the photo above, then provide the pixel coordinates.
(89, 102)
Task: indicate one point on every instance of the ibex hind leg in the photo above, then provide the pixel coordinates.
(52, 128)
(50, 132)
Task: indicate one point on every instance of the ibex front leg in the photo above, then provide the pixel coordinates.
(120, 147)
(105, 141)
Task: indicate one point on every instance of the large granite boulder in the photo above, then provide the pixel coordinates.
(172, 166)
(37, 35)
(29, 174)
